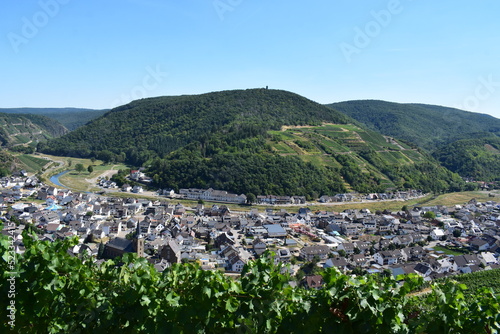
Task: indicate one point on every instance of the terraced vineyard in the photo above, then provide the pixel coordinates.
(323, 145)
(27, 129)
(33, 164)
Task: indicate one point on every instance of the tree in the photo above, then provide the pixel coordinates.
(79, 168)
(429, 215)
(90, 169)
(386, 273)
(358, 271)
(251, 198)
(92, 159)
(457, 233)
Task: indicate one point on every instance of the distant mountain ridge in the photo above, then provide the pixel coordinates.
(255, 141)
(71, 118)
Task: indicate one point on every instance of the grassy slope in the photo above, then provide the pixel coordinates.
(32, 163)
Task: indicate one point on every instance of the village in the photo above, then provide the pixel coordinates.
(433, 242)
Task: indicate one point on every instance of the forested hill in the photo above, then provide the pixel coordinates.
(71, 118)
(254, 141)
(475, 158)
(157, 126)
(427, 126)
(28, 129)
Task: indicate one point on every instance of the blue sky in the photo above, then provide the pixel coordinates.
(99, 54)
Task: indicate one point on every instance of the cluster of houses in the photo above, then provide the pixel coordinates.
(212, 195)
(139, 176)
(109, 184)
(168, 232)
(226, 197)
(355, 197)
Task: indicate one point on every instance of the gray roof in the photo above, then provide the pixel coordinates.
(275, 229)
(121, 244)
(337, 262)
(464, 260)
(422, 268)
(315, 250)
(174, 246)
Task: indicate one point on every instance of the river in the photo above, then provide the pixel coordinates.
(55, 179)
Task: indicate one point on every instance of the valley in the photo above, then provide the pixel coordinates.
(200, 184)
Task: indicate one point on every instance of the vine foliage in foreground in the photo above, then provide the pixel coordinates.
(57, 292)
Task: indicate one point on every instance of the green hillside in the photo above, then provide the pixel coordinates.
(462, 141)
(157, 126)
(365, 159)
(8, 163)
(71, 118)
(233, 140)
(427, 126)
(475, 158)
(28, 129)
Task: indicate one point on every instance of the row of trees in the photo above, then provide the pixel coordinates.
(245, 173)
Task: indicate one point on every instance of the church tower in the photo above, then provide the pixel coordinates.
(139, 241)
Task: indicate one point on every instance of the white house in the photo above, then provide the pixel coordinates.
(488, 258)
(386, 257)
(437, 234)
(137, 189)
(236, 263)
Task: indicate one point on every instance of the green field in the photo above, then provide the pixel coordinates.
(459, 198)
(32, 163)
(447, 251)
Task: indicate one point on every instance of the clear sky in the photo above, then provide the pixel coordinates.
(98, 54)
